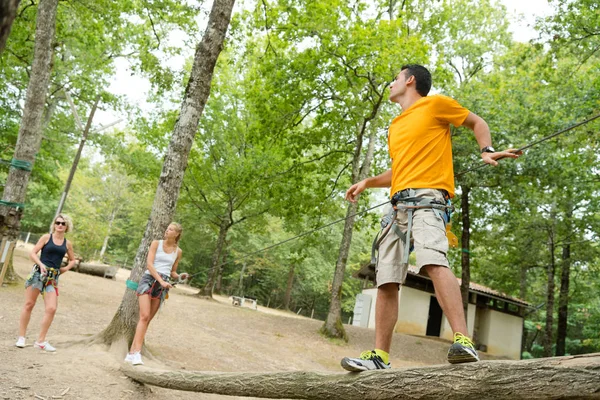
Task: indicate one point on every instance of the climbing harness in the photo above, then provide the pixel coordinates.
(407, 201)
(134, 285)
(49, 278)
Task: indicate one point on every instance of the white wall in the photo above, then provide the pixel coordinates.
(373, 293)
(413, 311)
(446, 332)
(501, 333)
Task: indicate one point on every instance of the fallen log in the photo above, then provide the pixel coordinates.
(571, 377)
(106, 271)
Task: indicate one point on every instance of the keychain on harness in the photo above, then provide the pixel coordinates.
(48, 278)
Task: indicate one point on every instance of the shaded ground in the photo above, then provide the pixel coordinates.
(188, 333)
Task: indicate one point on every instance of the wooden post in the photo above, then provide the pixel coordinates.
(6, 249)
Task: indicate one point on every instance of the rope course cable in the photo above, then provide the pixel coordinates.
(382, 204)
(536, 142)
(296, 237)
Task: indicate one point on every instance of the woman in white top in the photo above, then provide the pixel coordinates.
(163, 258)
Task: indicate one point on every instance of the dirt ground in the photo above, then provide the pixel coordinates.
(188, 333)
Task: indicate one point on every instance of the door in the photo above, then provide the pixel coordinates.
(434, 320)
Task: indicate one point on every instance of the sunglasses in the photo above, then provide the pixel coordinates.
(60, 223)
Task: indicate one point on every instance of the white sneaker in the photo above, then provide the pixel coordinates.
(136, 358)
(44, 346)
(129, 358)
(20, 342)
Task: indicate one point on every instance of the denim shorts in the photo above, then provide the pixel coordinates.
(35, 281)
(150, 286)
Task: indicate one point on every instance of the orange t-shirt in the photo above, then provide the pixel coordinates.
(420, 146)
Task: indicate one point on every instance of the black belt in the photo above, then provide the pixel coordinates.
(406, 193)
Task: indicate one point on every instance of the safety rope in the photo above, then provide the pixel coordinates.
(295, 237)
(387, 202)
(536, 142)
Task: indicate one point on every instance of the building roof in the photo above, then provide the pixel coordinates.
(367, 271)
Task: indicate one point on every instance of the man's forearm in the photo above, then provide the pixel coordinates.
(481, 130)
(383, 180)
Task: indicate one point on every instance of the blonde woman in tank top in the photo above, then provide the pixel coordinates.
(163, 258)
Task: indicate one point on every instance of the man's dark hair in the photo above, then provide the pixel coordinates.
(422, 76)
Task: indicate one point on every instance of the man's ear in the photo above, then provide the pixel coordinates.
(411, 79)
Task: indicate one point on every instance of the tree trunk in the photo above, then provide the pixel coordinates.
(165, 200)
(30, 132)
(575, 377)
(96, 269)
(111, 220)
(333, 326)
(466, 244)
(563, 301)
(8, 12)
(288, 289)
(240, 290)
(549, 299)
(207, 290)
(218, 286)
(523, 282)
(84, 136)
(563, 297)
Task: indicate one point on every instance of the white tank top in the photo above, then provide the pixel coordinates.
(163, 262)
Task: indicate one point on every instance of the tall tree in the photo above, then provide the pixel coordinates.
(30, 132)
(122, 327)
(565, 276)
(8, 12)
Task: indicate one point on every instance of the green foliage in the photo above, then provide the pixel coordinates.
(296, 93)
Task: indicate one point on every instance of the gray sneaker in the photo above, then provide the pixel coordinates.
(462, 350)
(368, 360)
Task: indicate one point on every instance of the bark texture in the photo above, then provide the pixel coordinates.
(576, 377)
(30, 132)
(8, 12)
(167, 193)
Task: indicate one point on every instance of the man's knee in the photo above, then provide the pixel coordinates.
(388, 289)
(435, 271)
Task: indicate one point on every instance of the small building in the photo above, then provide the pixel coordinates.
(494, 321)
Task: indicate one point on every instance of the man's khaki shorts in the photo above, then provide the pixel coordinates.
(428, 236)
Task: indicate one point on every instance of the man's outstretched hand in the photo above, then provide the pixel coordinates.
(492, 158)
(355, 190)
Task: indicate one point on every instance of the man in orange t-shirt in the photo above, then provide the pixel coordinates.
(421, 151)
